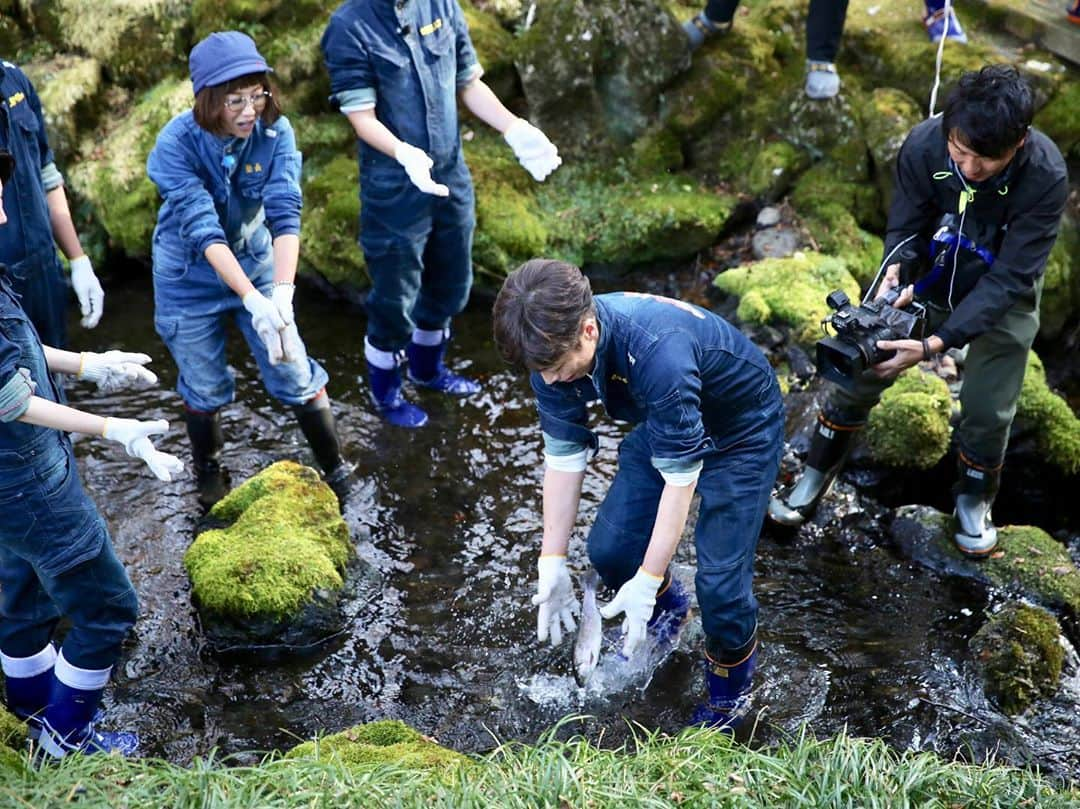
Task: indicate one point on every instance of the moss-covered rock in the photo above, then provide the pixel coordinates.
(788, 291)
(137, 41)
(1056, 427)
(494, 49)
(330, 224)
(886, 121)
(295, 56)
(112, 175)
(1019, 654)
(589, 74)
(1029, 558)
(263, 19)
(386, 742)
(12, 731)
(68, 87)
(1060, 302)
(284, 542)
(1060, 119)
(910, 427)
(774, 168)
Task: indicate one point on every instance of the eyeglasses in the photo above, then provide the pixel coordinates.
(238, 103)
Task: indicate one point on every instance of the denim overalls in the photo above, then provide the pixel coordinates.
(55, 554)
(233, 191)
(697, 390)
(26, 242)
(409, 58)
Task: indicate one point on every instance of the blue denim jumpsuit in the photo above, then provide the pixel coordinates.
(697, 390)
(26, 241)
(55, 554)
(233, 191)
(408, 59)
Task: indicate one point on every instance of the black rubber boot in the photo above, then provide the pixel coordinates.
(828, 450)
(204, 431)
(317, 424)
(976, 487)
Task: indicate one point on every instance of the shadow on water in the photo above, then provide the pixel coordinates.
(445, 641)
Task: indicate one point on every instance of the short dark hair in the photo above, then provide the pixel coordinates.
(990, 110)
(210, 102)
(539, 311)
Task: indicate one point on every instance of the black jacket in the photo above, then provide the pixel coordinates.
(1015, 214)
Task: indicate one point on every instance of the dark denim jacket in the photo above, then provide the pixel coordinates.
(414, 55)
(28, 233)
(698, 385)
(205, 203)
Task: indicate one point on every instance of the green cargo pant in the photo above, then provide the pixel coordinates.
(993, 376)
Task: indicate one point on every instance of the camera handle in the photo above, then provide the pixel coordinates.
(881, 270)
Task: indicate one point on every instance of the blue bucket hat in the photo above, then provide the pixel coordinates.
(222, 56)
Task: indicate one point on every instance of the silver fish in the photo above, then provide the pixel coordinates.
(589, 637)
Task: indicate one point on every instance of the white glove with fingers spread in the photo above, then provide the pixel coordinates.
(267, 322)
(88, 290)
(555, 598)
(282, 295)
(135, 436)
(418, 166)
(636, 600)
(115, 370)
(532, 148)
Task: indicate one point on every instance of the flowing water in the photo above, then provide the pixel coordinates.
(449, 520)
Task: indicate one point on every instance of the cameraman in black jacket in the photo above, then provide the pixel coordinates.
(980, 194)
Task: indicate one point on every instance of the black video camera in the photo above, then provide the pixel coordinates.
(842, 358)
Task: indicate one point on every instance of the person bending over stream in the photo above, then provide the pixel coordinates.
(56, 557)
(226, 247)
(709, 418)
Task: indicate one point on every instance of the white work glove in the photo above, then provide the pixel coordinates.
(418, 166)
(267, 323)
(115, 370)
(88, 290)
(555, 598)
(292, 346)
(282, 294)
(532, 148)
(135, 436)
(636, 599)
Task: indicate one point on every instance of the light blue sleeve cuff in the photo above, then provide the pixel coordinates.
(565, 456)
(678, 473)
(355, 100)
(15, 395)
(469, 74)
(51, 177)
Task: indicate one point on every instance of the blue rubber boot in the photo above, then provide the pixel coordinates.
(935, 21)
(699, 28)
(669, 614)
(386, 394)
(425, 354)
(28, 684)
(729, 687)
(68, 723)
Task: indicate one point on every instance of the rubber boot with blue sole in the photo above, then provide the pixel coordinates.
(728, 679)
(426, 366)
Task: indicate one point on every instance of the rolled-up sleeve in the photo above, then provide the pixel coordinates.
(282, 198)
(352, 77)
(172, 169)
(468, 66)
(15, 394)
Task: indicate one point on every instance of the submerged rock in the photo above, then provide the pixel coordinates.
(1020, 656)
(274, 574)
(388, 742)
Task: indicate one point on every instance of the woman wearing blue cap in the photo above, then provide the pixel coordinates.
(226, 247)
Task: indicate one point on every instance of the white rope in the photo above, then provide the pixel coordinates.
(940, 54)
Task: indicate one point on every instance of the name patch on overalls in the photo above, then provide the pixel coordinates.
(431, 27)
(15, 99)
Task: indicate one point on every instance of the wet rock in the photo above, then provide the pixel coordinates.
(800, 363)
(789, 291)
(592, 71)
(767, 217)
(386, 742)
(1056, 427)
(274, 573)
(1019, 655)
(775, 242)
(910, 426)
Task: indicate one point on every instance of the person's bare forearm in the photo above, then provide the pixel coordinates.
(62, 362)
(482, 102)
(667, 530)
(373, 132)
(63, 228)
(223, 261)
(286, 256)
(44, 413)
(562, 494)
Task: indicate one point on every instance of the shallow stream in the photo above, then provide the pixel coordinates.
(853, 636)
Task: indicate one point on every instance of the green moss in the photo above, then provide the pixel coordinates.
(296, 58)
(1061, 289)
(774, 168)
(886, 121)
(789, 291)
(1060, 119)
(656, 151)
(331, 222)
(910, 427)
(1057, 428)
(1020, 656)
(1029, 557)
(494, 44)
(262, 19)
(12, 731)
(381, 743)
(285, 541)
(68, 87)
(112, 176)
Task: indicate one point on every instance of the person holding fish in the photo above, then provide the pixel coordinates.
(708, 418)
